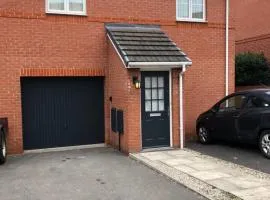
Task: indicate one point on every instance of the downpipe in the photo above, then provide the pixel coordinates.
(181, 107)
(227, 48)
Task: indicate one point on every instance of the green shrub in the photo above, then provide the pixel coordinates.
(251, 69)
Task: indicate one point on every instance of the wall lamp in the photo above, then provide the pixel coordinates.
(136, 82)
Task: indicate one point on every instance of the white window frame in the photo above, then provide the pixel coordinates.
(66, 11)
(189, 18)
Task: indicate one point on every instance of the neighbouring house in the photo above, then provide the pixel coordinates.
(68, 66)
(251, 25)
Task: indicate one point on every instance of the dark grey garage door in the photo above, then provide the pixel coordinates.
(60, 112)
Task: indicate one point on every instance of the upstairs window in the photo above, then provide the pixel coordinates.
(190, 10)
(69, 7)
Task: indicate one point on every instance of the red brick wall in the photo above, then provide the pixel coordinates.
(250, 18)
(252, 26)
(116, 87)
(119, 86)
(66, 49)
(175, 108)
(260, 44)
(74, 45)
(205, 79)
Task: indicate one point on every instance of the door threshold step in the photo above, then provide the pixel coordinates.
(157, 149)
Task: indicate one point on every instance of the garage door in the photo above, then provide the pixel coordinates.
(59, 112)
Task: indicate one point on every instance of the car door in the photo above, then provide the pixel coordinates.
(227, 114)
(249, 120)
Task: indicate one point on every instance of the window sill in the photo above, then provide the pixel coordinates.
(67, 13)
(191, 20)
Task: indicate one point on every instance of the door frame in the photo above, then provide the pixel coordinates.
(152, 69)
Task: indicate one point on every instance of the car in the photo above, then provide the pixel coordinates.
(3, 144)
(240, 117)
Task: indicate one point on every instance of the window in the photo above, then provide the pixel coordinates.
(154, 94)
(190, 10)
(232, 104)
(256, 102)
(70, 7)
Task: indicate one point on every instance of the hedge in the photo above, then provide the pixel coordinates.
(251, 69)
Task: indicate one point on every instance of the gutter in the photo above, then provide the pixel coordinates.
(227, 48)
(154, 64)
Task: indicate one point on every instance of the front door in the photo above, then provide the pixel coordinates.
(155, 109)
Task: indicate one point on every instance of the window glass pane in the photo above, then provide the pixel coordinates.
(267, 96)
(161, 93)
(147, 106)
(76, 5)
(56, 4)
(147, 82)
(161, 105)
(155, 105)
(154, 82)
(232, 103)
(154, 94)
(200, 2)
(256, 102)
(183, 8)
(148, 94)
(197, 12)
(197, 9)
(160, 82)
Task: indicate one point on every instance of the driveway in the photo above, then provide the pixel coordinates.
(246, 155)
(89, 174)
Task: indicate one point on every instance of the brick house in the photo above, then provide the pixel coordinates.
(67, 65)
(252, 28)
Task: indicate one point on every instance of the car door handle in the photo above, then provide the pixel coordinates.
(236, 116)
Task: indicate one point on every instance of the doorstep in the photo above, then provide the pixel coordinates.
(211, 177)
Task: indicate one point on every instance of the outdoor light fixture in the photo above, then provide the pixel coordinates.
(136, 82)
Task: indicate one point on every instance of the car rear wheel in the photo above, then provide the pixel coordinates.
(203, 135)
(264, 143)
(3, 147)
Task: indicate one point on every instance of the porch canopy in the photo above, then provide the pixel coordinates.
(141, 46)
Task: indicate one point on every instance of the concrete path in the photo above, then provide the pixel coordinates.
(209, 176)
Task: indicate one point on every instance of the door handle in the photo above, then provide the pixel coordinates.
(236, 116)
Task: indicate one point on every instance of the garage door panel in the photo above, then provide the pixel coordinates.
(61, 112)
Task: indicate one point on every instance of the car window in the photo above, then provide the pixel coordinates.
(232, 103)
(267, 96)
(257, 102)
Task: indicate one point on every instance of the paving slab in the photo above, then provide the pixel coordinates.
(226, 185)
(259, 193)
(248, 181)
(158, 156)
(211, 177)
(185, 168)
(176, 161)
(202, 166)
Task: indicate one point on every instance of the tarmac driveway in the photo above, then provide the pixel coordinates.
(89, 174)
(246, 155)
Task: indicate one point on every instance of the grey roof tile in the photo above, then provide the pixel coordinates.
(144, 43)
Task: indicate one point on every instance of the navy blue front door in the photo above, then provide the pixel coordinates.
(155, 109)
